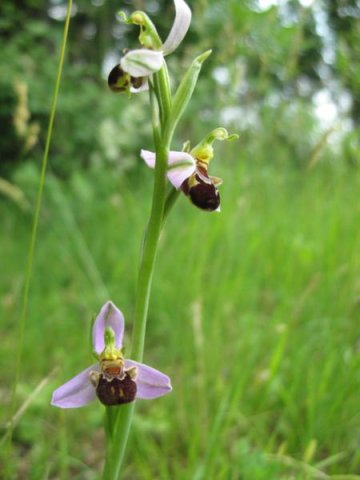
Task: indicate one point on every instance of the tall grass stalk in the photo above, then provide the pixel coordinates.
(34, 230)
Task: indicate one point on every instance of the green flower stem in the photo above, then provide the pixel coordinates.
(149, 253)
(155, 114)
(116, 446)
(164, 85)
(118, 424)
(163, 94)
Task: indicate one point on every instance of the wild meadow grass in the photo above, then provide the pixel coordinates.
(254, 315)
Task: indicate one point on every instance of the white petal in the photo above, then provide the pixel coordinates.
(181, 166)
(148, 157)
(180, 27)
(142, 62)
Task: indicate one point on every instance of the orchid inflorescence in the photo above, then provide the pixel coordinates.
(187, 170)
(115, 380)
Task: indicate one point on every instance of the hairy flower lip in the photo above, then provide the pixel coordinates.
(79, 391)
(204, 195)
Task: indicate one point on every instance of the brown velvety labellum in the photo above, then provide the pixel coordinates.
(201, 190)
(114, 76)
(137, 82)
(205, 196)
(116, 391)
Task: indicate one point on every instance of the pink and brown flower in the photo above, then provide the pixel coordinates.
(114, 379)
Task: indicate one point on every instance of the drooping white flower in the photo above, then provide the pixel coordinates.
(143, 62)
(136, 65)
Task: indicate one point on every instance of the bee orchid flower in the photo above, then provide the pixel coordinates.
(114, 379)
(188, 171)
(137, 65)
(190, 175)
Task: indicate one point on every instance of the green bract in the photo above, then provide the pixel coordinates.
(186, 89)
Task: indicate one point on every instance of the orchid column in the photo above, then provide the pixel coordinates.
(115, 381)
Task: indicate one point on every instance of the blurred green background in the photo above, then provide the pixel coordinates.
(255, 311)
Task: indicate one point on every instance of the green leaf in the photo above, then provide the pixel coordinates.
(185, 90)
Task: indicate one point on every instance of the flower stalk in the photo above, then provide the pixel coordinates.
(123, 418)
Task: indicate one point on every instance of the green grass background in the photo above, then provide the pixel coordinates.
(254, 315)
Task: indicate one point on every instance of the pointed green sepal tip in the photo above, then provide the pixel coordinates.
(201, 58)
(186, 88)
